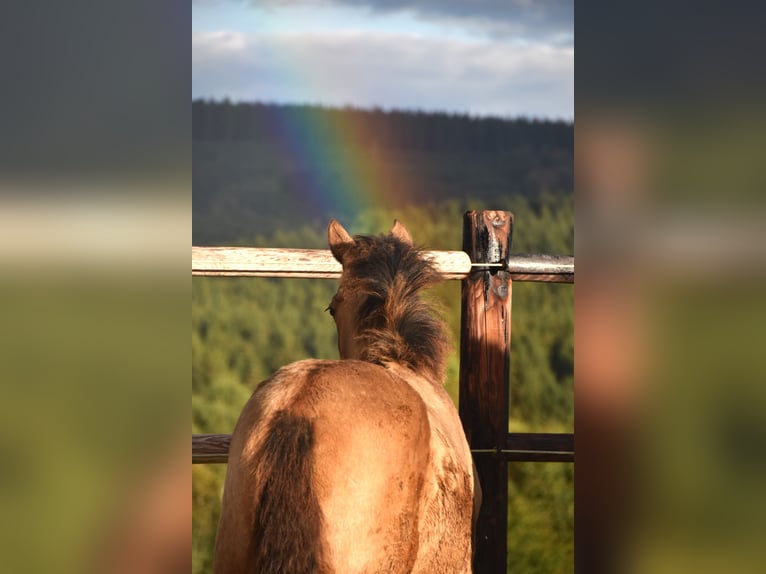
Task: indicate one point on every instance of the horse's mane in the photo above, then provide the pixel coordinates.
(395, 325)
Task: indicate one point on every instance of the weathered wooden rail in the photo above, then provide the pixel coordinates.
(487, 270)
(320, 264)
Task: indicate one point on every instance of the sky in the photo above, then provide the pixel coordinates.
(503, 58)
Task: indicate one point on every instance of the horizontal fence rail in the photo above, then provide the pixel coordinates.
(320, 264)
(210, 448)
(520, 447)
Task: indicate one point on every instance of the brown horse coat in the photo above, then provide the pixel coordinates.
(357, 465)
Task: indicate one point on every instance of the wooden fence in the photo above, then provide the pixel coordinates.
(487, 270)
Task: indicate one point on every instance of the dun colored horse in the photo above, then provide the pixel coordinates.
(358, 465)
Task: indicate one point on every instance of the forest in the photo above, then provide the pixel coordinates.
(250, 188)
(254, 163)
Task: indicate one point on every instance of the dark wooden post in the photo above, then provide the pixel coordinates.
(485, 340)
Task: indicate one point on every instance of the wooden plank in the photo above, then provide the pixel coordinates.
(210, 448)
(541, 268)
(535, 263)
(320, 264)
(485, 338)
(307, 263)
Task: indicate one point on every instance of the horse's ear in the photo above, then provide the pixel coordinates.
(339, 240)
(400, 232)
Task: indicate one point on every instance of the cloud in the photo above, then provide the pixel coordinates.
(388, 70)
(531, 18)
(548, 20)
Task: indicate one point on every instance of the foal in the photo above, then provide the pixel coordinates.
(358, 465)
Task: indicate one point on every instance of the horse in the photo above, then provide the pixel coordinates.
(357, 465)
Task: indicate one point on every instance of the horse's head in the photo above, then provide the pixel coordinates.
(378, 311)
(346, 305)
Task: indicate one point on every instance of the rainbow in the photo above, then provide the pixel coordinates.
(368, 175)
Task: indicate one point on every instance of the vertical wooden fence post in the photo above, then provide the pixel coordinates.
(485, 339)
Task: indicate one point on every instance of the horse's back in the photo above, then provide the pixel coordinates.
(448, 505)
(371, 454)
(357, 438)
(393, 442)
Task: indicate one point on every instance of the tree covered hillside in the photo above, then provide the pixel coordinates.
(253, 163)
